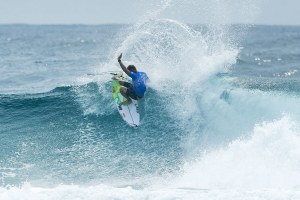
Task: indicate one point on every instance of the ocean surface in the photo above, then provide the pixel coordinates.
(220, 119)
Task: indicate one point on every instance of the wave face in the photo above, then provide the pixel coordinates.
(219, 120)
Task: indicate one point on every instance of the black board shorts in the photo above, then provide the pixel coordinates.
(130, 92)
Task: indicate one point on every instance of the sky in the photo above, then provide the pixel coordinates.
(278, 12)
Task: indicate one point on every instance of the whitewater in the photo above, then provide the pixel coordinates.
(220, 119)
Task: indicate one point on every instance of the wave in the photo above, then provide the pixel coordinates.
(80, 125)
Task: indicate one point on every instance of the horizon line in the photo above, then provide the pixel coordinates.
(128, 24)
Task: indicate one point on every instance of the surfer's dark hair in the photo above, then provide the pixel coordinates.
(132, 68)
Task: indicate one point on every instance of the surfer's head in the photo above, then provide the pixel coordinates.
(132, 68)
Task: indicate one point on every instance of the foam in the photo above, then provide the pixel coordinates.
(267, 159)
(104, 192)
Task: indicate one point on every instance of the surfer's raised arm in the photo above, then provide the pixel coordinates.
(123, 66)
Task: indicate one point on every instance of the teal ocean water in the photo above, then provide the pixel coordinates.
(220, 119)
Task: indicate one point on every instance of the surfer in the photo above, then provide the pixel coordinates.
(137, 89)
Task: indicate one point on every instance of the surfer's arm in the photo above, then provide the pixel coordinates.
(124, 68)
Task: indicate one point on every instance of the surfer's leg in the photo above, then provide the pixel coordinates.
(123, 91)
(131, 93)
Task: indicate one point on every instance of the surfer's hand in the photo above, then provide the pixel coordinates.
(119, 58)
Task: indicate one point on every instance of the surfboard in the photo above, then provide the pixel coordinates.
(129, 113)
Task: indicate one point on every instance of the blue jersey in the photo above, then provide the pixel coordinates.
(139, 80)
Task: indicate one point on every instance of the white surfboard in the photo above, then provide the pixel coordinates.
(129, 113)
